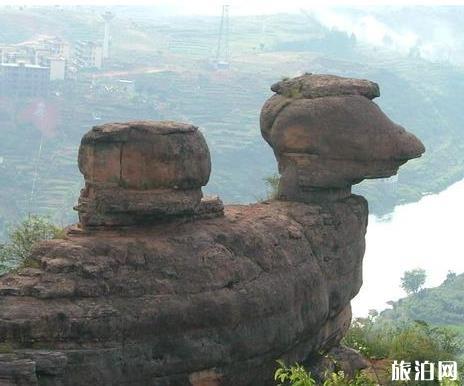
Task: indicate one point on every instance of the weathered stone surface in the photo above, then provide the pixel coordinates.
(15, 371)
(318, 85)
(331, 136)
(341, 128)
(139, 171)
(348, 360)
(210, 302)
(47, 363)
(145, 155)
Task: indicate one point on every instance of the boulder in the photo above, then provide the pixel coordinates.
(137, 172)
(330, 135)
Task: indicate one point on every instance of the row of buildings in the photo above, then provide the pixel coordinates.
(44, 52)
(27, 68)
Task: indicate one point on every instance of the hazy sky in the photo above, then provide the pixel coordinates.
(240, 7)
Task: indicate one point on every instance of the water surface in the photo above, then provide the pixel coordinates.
(427, 234)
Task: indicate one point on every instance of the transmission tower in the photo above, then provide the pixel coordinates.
(223, 52)
(107, 17)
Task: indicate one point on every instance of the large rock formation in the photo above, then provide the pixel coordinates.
(156, 287)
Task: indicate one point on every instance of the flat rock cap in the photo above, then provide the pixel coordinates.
(145, 155)
(135, 130)
(317, 86)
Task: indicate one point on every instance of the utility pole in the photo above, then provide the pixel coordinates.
(262, 39)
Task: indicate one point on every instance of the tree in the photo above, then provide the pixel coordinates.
(22, 238)
(450, 277)
(413, 280)
(272, 183)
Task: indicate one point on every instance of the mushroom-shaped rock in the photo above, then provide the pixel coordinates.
(140, 171)
(328, 135)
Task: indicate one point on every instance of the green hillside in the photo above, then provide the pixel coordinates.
(442, 306)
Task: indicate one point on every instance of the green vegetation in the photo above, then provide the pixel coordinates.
(440, 306)
(272, 184)
(22, 238)
(379, 338)
(340, 379)
(297, 375)
(293, 375)
(413, 280)
(426, 325)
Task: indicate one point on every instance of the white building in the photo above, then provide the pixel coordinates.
(88, 54)
(57, 68)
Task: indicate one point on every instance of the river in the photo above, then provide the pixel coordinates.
(427, 234)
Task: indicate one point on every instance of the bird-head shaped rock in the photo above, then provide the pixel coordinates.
(328, 135)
